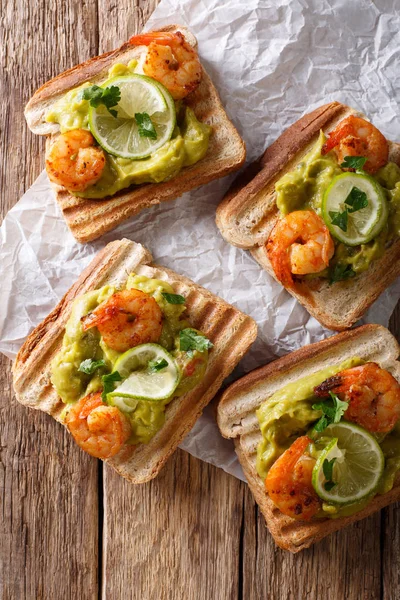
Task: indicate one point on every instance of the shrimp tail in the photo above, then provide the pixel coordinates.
(330, 384)
(162, 38)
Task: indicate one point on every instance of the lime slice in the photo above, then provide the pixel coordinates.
(358, 466)
(120, 135)
(364, 224)
(140, 381)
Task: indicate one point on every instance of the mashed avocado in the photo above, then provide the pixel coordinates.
(288, 414)
(305, 186)
(71, 384)
(188, 145)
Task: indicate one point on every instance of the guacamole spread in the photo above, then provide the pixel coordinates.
(288, 414)
(78, 345)
(304, 188)
(188, 144)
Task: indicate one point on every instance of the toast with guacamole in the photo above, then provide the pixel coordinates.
(320, 212)
(318, 434)
(129, 358)
(132, 128)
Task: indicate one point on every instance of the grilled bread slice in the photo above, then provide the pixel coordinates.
(237, 419)
(231, 332)
(88, 219)
(248, 214)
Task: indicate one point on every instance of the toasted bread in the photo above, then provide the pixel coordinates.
(88, 219)
(248, 213)
(231, 332)
(237, 419)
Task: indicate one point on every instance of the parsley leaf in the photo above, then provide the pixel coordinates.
(327, 468)
(353, 162)
(340, 219)
(89, 366)
(341, 272)
(109, 96)
(108, 383)
(145, 125)
(190, 339)
(173, 298)
(157, 365)
(333, 410)
(356, 200)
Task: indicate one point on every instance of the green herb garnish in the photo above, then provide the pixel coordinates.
(157, 365)
(332, 412)
(190, 339)
(327, 468)
(109, 96)
(173, 298)
(356, 200)
(341, 272)
(353, 162)
(145, 125)
(108, 383)
(340, 219)
(89, 366)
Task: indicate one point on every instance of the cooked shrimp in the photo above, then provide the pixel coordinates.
(127, 319)
(299, 243)
(355, 136)
(288, 482)
(373, 395)
(171, 61)
(98, 429)
(74, 161)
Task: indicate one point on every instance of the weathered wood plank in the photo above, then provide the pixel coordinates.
(48, 488)
(177, 537)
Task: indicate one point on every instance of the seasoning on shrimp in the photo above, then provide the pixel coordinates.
(289, 482)
(355, 136)
(127, 319)
(74, 161)
(171, 60)
(300, 243)
(373, 395)
(99, 429)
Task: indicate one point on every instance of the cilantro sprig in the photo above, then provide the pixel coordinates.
(327, 468)
(109, 96)
(173, 298)
(145, 125)
(157, 365)
(341, 272)
(190, 339)
(108, 383)
(333, 410)
(353, 162)
(356, 200)
(89, 366)
(340, 219)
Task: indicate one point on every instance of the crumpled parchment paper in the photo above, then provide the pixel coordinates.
(271, 63)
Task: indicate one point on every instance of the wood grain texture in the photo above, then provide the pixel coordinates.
(194, 533)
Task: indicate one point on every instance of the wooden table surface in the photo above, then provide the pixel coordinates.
(71, 528)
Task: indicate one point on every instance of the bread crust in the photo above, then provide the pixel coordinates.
(289, 533)
(231, 331)
(89, 219)
(248, 213)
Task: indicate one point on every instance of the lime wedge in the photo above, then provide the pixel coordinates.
(364, 224)
(120, 135)
(358, 466)
(140, 379)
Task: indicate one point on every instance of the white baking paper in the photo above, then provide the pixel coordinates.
(271, 63)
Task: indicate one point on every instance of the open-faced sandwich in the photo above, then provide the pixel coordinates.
(130, 357)
(132, 128)
(318, 434)
(320, 211)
